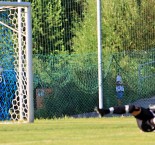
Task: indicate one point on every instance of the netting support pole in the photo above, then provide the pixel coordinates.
(99, 34)
(29, 64)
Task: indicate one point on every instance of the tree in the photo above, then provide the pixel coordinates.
(53, 21)
(47, 26)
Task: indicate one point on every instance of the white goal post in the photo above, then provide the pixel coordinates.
(16, 99)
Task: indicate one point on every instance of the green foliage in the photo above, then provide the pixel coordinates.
(51, 70)
(128, 31)
(143, 34)
(47, 26)
(86, 32)
(118, 17)
(62, 26)
(53, 21)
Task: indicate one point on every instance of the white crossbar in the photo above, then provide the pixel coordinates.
(20, 4)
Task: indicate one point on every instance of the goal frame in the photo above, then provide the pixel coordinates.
(28, 21)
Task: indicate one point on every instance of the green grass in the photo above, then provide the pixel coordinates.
(69, 131)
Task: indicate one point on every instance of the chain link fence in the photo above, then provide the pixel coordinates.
(68, 88)
(74, 89)
(137, 75)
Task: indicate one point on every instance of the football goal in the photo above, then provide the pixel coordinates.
(16, 82)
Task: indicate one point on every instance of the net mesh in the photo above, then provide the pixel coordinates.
(13, 85)
(65, 54)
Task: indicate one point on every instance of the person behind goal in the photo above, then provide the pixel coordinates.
(145, 117)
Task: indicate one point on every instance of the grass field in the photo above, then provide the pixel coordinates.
(69, 131)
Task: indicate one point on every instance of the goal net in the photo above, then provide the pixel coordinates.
(16, 89)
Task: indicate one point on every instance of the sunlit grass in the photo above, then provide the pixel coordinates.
(69, 131)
